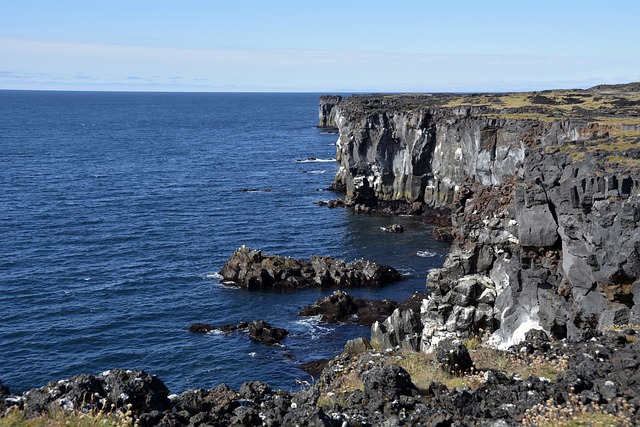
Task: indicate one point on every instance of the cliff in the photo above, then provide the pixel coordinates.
(325, 111)
(545, 192)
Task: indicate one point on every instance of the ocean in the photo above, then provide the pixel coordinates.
(117, 210)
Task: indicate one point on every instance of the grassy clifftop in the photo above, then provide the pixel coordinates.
(609, 115)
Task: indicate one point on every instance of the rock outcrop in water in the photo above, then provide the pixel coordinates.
(258, 330)
(254, 270)
(342, 307)
(544, 189)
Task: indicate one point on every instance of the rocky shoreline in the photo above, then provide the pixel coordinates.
(543, 191)
(540, 382)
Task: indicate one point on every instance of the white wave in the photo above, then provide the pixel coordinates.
(406, 272)
(229, 283)
(253, 354)
(426, 254)
(215, 275)
(314, 160)
(317, 171)
(314, 327)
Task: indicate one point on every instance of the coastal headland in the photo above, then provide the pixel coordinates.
(533, 317)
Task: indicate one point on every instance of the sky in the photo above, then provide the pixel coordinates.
(317, 46)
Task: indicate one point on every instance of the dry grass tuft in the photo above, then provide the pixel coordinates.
(575, 413)
(524, 365)
(58, 417)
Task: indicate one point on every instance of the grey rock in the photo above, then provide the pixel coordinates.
(556, 234)
(403, 328)
(327, 107)
(254, 390)
(537, 227)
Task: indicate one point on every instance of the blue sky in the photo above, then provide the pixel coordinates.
(326, 46)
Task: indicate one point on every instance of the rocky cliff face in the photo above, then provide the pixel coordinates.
(546, 199)
(326, 113)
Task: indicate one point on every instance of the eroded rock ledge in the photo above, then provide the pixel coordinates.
(544, 190)
(253, 269)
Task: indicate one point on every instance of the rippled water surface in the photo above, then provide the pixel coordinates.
(117, 210)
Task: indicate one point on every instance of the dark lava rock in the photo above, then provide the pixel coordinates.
(342, 307)
(452, 356)
(254, 270)
(201, 327)
(263, 332)
(117, 387)
(388, 381)
(600, 370)
(143, 391)
(308, 416)
(394, 228)
(254, 390)
(535, 341)
(259, 330)
(315, 367)
(336, 203)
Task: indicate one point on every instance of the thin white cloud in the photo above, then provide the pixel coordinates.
(102, 66)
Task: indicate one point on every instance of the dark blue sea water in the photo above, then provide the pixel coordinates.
(118, 209)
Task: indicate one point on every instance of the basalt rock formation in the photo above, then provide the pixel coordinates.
(326, 113)
(254, 270)
(342, 307)
(599, 375)
(545, 193)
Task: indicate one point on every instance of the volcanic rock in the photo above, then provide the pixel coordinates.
(263, 332)
(453, 356)
(543, 191)
(342, 307)
(254, 270)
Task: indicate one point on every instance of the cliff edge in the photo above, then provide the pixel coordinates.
(544, 190)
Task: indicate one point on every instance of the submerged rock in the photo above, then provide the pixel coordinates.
(254, 270)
